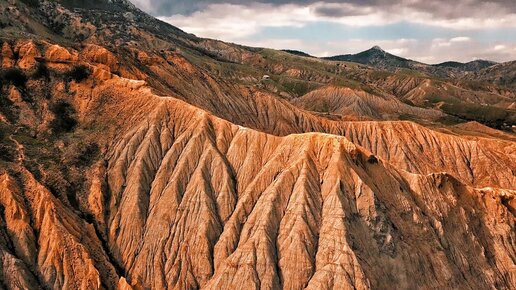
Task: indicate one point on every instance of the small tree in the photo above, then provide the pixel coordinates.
(79, 73)
(7, 148)
(41, 71)
(372, 159)
(31, 3)
(15, 76)
(64, 117)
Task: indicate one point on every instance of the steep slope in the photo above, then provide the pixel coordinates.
(502, 74)
(349, 103)
(267, 227)
(165, 164)
(317, 192)
(46, 244)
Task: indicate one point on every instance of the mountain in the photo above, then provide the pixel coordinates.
(503, 74)
(134, 155)
(471, 66)
(379, 58)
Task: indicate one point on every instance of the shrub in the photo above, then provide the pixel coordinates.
(31, 3)
(3, 133)
(41, 71)
(7, 148)
(7, 152)
(78, 73)
(15, 76)
(81, 154)
(372, 160)
(64, 117)
(8, 108)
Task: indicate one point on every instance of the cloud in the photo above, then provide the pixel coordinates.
(205, 17)
(442, 31)
(460, 39)
(233, 22)
(499, 47)
(440, 9)
(336, 10)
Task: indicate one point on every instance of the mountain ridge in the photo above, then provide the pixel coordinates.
(135, 155)
(379, 58)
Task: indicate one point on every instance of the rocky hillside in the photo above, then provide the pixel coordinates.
(381, 59)
(503, 74)
(163, 161)
(471, 66)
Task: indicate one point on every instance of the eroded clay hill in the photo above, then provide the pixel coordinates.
(207, 204)
(349, 103)
(144, 170)
(184, 199)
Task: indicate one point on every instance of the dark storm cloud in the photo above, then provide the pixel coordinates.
(186, 7)
(439, 8)
(339, 10)
(444, 9)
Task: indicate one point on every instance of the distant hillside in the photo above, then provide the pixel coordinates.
(377, 57)
(381, 59)
(475, 65)
(297, 52)
(503, 74)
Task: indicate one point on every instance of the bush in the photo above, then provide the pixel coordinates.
(81, 154)
(64, 117)
(41, 71)
(3, 133)
(31, 3)
(56, 181)
(15, 76)
(8, 108)
(7, 148)
(78, 73)
(7, 152)
(372, 160)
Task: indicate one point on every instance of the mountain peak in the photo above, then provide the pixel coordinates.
(376, 47)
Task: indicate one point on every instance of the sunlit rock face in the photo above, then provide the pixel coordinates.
(165, 166)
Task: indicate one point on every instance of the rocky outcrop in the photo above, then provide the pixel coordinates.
(27, 54)
(100, 55)
(7, 55)
(61, 250)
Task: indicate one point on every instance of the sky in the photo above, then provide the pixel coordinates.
(430, 31)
